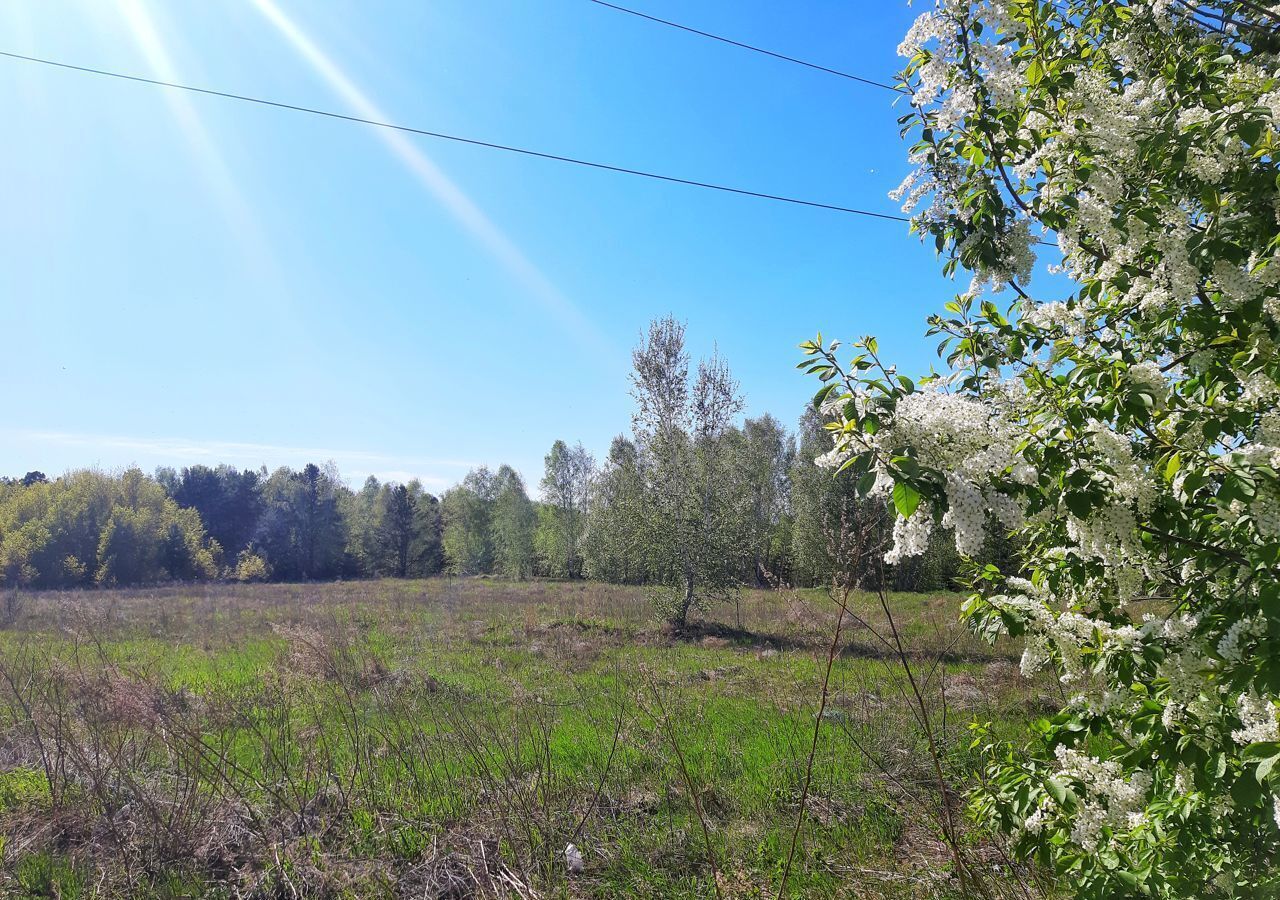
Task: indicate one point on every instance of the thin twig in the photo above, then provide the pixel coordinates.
(813, 746)
(664, 723)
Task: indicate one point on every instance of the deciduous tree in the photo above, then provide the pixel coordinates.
(566, 487)
(467, 513)
(513, 524)
(692, 516)
(1128, 432)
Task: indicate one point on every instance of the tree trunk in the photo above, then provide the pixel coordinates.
(686, 604)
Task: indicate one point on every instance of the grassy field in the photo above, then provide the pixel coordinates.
(448, 738)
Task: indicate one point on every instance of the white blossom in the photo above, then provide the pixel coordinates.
(1257, 720)
(1111, 798)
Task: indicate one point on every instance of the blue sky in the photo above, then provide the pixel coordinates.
(188, 279)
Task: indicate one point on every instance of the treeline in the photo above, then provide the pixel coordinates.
(95, 528)
(695, 502)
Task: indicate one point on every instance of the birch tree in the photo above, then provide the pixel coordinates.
(692, 516)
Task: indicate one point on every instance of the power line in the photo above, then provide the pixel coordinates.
(458, 139)
(725, 40)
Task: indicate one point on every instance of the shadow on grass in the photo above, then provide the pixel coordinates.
(860, 648)
(698, 632)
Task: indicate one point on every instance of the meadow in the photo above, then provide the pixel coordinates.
(447, 738)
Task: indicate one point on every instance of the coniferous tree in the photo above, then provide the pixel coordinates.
(229, 501)
(428, 544)
(302, 530)
(396, 528)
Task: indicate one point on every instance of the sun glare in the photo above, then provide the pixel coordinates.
(217, 175)
(461, 207)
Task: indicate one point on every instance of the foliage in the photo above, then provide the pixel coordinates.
(467, 513)
(391, 529)
(514, 519)
(1128, 433)
(399, 508)
(228, 500)
(250, 567)
(301, 530)
(427, 550)
(765, 453)
(824, 508)
(360, 510)
(691, 511)
(743, 503)
(89, 527)
(565, 487)
(612, 546)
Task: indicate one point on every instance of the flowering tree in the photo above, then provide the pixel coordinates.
(1128, 432)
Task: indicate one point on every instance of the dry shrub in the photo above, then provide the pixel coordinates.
(461, 868)
(332, 655)
(307, 651)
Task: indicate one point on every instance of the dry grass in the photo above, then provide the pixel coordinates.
(448, 738)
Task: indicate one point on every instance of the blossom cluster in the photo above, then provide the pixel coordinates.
(964, 437)
(1128, 433)
(1111, 799)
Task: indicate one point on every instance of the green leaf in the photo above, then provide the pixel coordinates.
(822, 394)
(1261, 750)
(1246, 792)
(866, 483)
(1079, 503)
(905, 499)
(1265, 767)
(907, 465)
(1127, 878)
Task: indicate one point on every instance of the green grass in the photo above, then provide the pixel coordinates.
(381, 738)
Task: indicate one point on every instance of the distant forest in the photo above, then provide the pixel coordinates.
(689, 501)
